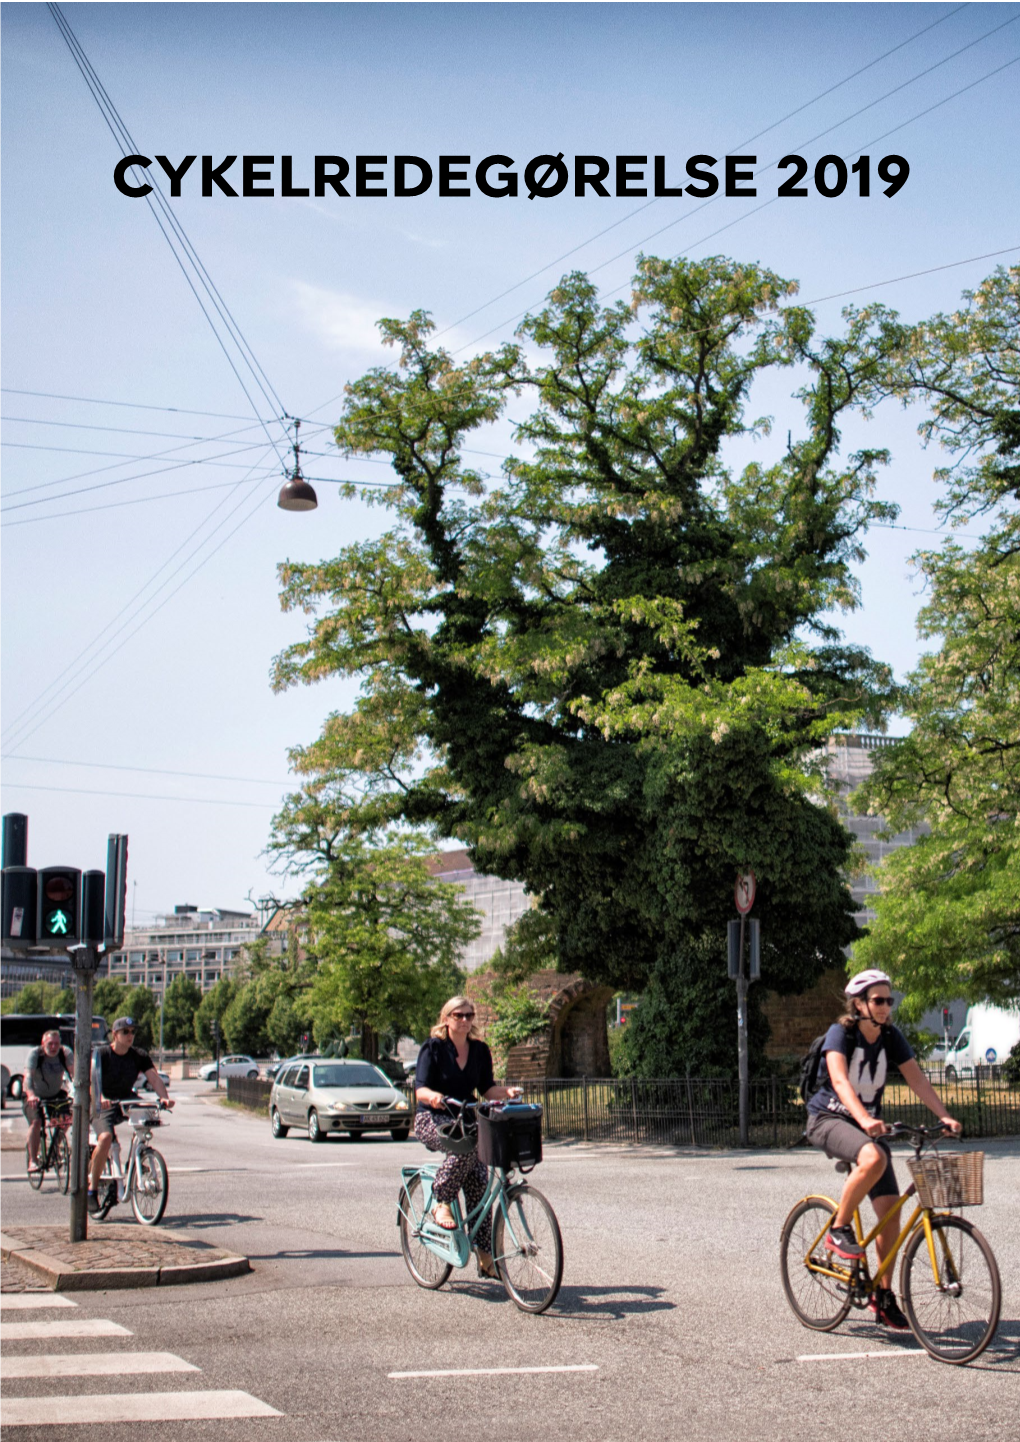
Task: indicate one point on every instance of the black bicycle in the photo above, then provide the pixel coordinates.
(54, 1151)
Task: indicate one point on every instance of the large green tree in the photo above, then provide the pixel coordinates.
(603, 670)
(39, 998)
(948, 914)
(181, 1001)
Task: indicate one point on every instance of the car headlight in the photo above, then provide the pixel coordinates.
(400, 1106)
(338, 1106)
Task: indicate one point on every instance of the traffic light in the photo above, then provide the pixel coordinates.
(59, 904)
(754, 967)
(116, 890)
(945, 1018)
(19, 908)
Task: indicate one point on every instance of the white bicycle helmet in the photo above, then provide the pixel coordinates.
(860, 983)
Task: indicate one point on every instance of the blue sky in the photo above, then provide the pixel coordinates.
(100, 665)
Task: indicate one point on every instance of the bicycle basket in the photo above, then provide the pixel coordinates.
(955, 1180)
(511, 1137)
(458, 1135)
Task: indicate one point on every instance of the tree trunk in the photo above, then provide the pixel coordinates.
(369, 1043)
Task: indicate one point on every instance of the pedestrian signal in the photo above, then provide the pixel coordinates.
(59, 895)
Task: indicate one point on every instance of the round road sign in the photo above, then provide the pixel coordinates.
(743, 892)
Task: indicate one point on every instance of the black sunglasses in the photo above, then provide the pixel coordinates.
(463, 1015)
(880, 1001)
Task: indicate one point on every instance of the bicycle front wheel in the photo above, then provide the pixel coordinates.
(427, 1269)
(61, 1158)
(150, 1187)
(35, 1178)
(528, 1249)
(956, 1318)
(818, 1301)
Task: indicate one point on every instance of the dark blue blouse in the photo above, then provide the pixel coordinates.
(438, 1070)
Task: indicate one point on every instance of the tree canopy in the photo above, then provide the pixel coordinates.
(948, 914)
(603, 669)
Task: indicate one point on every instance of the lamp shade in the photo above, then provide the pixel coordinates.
(297, 495)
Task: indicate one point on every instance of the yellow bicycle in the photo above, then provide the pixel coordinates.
(949, 1278)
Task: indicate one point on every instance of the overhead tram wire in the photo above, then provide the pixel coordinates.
(756, 209)
(730, 150)
(132, 405)
(18, 735)
(148, 770)
(126, 143)
(142, 796)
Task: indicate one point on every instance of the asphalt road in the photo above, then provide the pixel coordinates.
(671, 1300)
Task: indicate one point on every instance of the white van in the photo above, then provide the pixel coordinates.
(988, 1036)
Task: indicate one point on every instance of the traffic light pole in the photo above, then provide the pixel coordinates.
(83, 959)
(743, 1079)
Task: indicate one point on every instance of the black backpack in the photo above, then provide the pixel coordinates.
(810, 1062)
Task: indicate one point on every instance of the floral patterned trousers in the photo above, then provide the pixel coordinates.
(459, 1172)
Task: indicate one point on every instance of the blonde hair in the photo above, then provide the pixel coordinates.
(441, 1027)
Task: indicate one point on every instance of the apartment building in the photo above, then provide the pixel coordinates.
(195, 941)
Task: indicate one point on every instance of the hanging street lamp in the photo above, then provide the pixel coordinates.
(297, 494)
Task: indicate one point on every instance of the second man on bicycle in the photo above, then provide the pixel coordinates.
(120, 1063)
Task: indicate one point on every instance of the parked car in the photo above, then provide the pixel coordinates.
(329, 1094)
(143, 1084)
(236, 1065)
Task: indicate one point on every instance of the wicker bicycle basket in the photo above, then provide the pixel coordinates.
(956, 1180)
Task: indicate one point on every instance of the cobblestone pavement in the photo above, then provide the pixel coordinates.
(111, 1245)
(16, 1277)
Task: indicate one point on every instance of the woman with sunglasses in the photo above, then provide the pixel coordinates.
(845, 1117)
(456, 1063)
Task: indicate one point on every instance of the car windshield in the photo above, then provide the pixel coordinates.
(348, 1074)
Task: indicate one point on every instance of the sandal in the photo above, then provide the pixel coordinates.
(487, 1268)
(449, 1225)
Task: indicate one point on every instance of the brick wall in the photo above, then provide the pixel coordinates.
(575, 1042)
(797, 1020)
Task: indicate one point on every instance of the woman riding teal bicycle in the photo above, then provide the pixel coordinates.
(456, 1063)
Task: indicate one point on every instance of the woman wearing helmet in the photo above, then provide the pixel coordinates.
(845, 1117)
(456, 1063)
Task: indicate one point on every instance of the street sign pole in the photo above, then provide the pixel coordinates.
(83, 960)
(743, 896)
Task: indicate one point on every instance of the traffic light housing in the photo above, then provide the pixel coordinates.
(93, 896)
(19, 904)
(116, 890)
(59, 905)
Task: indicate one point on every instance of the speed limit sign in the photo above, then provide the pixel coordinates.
(743, 892)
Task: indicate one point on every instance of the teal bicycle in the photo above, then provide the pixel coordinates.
(527, 1248)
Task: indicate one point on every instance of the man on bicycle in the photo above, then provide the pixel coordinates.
(845, 1117)
(119, 1063)
(45, 1069)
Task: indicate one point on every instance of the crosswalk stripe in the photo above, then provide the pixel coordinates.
(22, 1301)
(69, 1327)
(95, 1364)
(133, 1407)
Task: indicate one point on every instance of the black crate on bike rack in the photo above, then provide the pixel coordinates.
(511, 1137)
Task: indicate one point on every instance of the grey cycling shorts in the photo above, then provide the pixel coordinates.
(843, 1140)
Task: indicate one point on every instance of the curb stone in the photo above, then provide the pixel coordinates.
(60, 1277)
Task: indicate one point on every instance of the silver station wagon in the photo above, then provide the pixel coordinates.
(326, 1094)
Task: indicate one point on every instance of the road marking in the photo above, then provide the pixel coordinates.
(72, 1327)
(497, 1371)
(307, 1166)
(19, 1301)
(95, 1364)
(855, 1356)
(133, 1407)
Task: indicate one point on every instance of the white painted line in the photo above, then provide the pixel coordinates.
(496, 1371)
(72, 1327)
(133, 1407)
(21, 1301)
(95, 1364)
(855, 1356)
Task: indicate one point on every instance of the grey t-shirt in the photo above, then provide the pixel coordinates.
(46, 1073)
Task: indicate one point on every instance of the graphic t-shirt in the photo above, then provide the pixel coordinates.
(439, 1071)
(867, 1064)
(120, 1073)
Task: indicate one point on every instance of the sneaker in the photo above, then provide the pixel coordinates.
(885, 1307)
(93, 1202)
(842, 1241)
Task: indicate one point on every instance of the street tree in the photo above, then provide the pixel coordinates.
(39, 998)
(948, 914)
(212, 1007)
(602, 670)
(181, 1001)
(383, 932)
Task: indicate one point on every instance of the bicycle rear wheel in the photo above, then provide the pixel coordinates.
(956, 1319)
(528, 1249)
(35, 1178)
(819, 1302)
(150, 1187)
(427, 1269)
(60, 1155)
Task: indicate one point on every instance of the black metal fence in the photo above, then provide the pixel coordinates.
(253, 1093)
(699, 1111)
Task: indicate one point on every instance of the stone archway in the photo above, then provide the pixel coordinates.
(575, 1042)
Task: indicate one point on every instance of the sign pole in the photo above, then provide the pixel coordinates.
(743, 896)
(83, 961)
